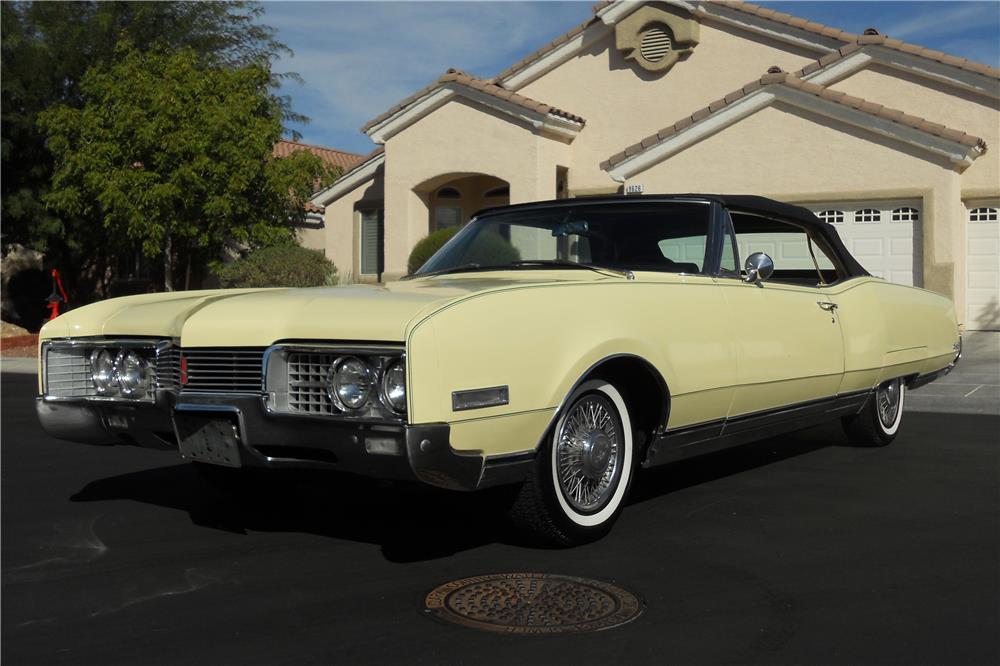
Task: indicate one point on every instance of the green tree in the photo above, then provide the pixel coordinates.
(173, 153)
(47, 47)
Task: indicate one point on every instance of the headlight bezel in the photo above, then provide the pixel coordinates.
(66, 360)
(296, 374)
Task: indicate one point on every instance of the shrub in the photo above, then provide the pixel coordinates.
(280, 266)
(427, 246)
(489, 248)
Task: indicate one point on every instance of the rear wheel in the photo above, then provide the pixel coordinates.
(878, 421)
(577, 487)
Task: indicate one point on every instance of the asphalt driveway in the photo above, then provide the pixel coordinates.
(799, 549)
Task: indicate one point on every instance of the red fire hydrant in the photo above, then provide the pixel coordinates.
(57, 296)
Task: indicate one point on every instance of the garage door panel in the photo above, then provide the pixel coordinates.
(982, 259)
(879, 235)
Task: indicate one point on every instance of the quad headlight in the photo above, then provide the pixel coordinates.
(349, 383)
(394, 386)
(118, 372)
(130, 371)
(102, 371)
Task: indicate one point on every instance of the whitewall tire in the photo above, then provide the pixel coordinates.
(582, 473)
(878, 421)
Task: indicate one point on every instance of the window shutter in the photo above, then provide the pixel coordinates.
(371, 242)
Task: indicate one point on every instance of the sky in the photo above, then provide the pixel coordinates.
(357, 59)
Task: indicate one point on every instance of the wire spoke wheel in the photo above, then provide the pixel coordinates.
(588, 453)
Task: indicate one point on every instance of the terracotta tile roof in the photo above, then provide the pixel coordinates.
(314, 208)
(331, 156)
(778, 77)
(789, 20)
(857, 42)
(482, 85)
(903, 47)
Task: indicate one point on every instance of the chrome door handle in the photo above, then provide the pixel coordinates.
(827, 305)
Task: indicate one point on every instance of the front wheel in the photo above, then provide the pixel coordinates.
(878, 421)
(577, 487)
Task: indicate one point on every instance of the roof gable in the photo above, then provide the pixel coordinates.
(453, 83)
(830, 42)
(957, 146)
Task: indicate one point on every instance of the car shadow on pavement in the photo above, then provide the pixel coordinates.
(409, 521)
(669, 478)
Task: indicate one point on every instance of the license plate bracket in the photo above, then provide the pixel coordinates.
(212, 438)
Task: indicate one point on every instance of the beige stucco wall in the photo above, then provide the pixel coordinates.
(339, 238)
(974, 114)
(792, 155)
(459, 139)
(623, 103)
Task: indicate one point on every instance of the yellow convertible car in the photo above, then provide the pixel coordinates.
(555, 345)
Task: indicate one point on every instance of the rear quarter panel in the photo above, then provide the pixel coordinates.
(541, 339)
(892, 330)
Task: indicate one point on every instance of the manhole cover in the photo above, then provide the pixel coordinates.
(533, 603)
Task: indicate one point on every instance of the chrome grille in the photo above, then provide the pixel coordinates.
(67, 373)
(168, 368)
(307, 383)
(232, 369)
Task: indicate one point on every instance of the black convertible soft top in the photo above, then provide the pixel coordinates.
(735, 202)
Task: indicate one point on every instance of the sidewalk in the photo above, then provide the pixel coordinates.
(28, 366)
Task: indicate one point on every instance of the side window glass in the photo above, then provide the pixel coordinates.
(798, 259)
(684, 250)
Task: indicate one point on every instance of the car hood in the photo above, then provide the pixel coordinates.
(260, 317)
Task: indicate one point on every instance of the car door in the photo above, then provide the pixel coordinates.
(788, 341)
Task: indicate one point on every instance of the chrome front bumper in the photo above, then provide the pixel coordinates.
(268, 440)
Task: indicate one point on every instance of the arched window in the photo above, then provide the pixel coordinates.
(831, 216)
(983, 215)
(449, 193)
(905, 215)
(868, 215)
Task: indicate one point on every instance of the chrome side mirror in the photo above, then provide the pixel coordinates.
(759, 267)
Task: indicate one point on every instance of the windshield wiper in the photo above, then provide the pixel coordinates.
(562, 263)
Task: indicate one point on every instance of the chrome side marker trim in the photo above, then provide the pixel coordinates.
(479, 398)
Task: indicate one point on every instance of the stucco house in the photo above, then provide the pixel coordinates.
(895, 144)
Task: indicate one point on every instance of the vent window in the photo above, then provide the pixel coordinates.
(868, 215)
(656, 43)
(983, 215)
(905, 215)
(831, 216)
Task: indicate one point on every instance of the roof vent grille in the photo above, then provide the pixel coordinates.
(656, 42)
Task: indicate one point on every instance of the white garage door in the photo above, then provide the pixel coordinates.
(878, 233)
(982, 261)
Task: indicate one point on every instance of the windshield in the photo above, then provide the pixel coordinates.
(669, 237)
